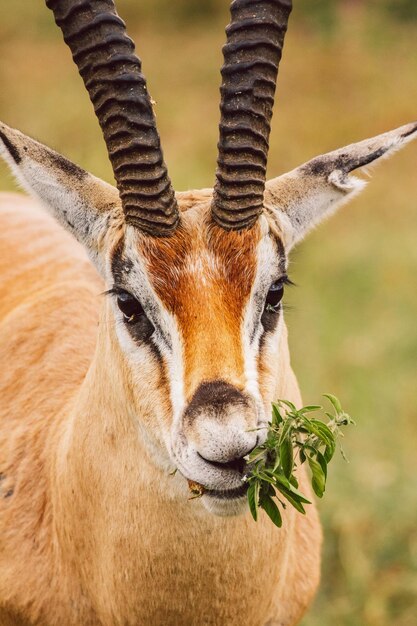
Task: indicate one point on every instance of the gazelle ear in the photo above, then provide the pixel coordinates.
(299, 200)
(82, 203)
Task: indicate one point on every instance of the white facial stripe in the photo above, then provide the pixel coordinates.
(169, 342)
(266, 272)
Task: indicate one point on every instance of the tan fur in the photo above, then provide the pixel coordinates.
(95, 534)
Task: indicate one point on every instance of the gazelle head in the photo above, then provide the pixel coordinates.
(195, 279)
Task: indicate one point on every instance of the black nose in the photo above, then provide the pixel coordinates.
(215, 395)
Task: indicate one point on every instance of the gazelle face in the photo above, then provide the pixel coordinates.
(196, 289)
(204, 306)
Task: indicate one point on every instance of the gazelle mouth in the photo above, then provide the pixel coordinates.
(227, 494)
(238, 465)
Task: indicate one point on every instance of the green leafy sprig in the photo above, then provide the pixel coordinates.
(294, 437)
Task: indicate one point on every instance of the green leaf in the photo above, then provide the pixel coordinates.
(269, 491)
(310, 408)
(253, 498)
(256, 454)
(329, 451)
(266, 476)
(277, 418)
(271, 510)
(323, 464)
(286, 457)
(318, 479)
(293, 481)
(296, 503)
(334, 401)
(255, 430)
(285, 431)
(288, 404)
(281, 481)
(322, 431)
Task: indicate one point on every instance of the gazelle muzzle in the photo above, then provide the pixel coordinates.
(219, 421)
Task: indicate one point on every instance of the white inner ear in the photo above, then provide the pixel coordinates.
(347, 184)
(300, 202)
(321, 204)
(68, 206)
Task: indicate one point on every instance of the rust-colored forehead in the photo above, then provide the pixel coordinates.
(208, 259)
(204, 276)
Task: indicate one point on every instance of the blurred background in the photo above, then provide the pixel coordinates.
(349, 71)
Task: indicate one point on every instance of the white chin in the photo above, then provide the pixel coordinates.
(225, 507)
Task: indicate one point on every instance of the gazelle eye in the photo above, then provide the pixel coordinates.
(274, 296)
(129, 306)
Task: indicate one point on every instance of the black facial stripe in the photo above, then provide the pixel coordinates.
(269, 320)
(144, 336)
(121, 266)
(155, 351)
(144, 327)
(141, 330)
(152, 310)
(262, 340)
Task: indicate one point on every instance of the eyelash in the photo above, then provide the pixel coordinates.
(273, 299)
(287, 281)
(114, 291)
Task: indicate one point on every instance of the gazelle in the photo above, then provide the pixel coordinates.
(190, 349)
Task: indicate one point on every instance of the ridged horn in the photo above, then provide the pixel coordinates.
(252, 53)
(112, 74)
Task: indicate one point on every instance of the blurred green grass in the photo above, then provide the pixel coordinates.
(346, 74)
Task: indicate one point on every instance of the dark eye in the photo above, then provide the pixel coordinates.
(129, 306)
(274, 296)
